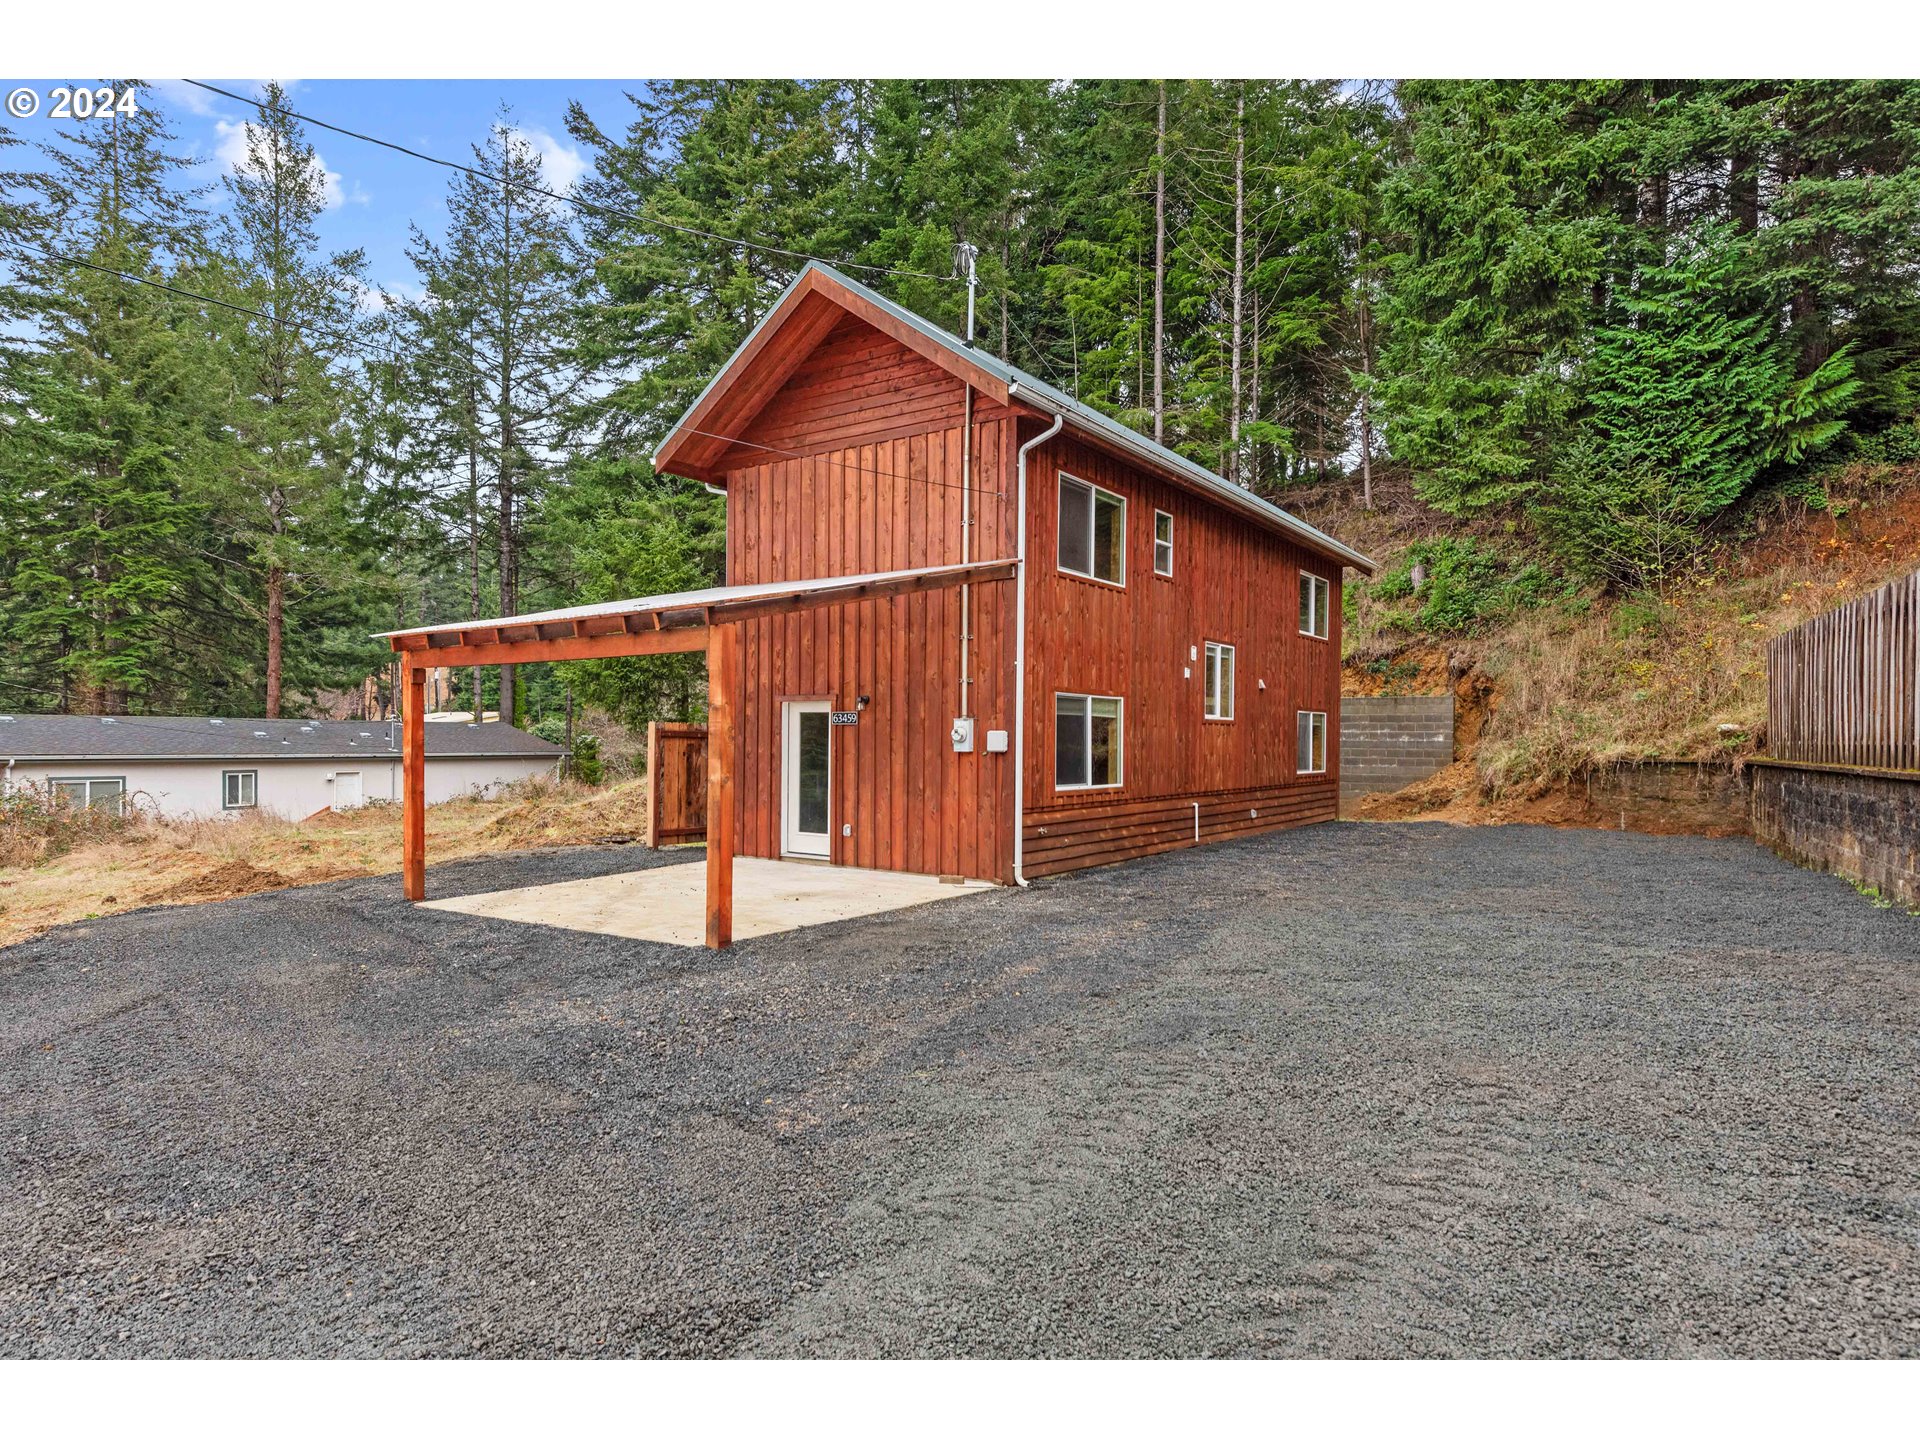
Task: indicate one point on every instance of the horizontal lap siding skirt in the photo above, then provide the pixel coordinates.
(1082, 836)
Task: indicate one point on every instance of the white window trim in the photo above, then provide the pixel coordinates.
(90, 781)
(1093, 527)
(1120, 721)
(253, 804)
(1158, 516)
(1309, 768)
(1320, 584)
(1210, 653)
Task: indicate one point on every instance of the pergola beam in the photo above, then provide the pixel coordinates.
(650, 628)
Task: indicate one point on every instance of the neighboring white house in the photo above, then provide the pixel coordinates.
(180, 766)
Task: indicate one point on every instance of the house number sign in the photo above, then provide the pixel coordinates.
(843, 717)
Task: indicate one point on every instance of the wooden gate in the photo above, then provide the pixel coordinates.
(676, 784)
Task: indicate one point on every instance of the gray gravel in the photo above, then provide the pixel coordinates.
(1355, 1090)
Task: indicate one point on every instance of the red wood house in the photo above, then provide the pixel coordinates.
(970, 626)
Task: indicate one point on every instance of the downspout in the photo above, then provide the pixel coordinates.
(6, 779)
(966, 554)
(1020, 649)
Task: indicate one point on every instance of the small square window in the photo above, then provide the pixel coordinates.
(239, 789)
(1314, 595)
(1219, 687)
(1311, 756)
(1162, 543)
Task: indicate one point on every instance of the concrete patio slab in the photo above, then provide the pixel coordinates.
(667, 903)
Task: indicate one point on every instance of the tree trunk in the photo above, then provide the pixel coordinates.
(1160, 270)
(1743, 192)
(473, 514)
(1366, 415)
(276, 628)
(1239, 272)
(508, 578)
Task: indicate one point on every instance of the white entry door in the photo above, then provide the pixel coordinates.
(346, 789)
(806, 770)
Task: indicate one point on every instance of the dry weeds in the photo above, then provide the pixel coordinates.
(161, 862)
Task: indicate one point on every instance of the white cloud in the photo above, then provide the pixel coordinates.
(231, 152)
(195, 101)
(561, 164)
(374, 299)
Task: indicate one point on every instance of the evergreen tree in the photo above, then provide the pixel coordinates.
(285, 502)
(106, 414)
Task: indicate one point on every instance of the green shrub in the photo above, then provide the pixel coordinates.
(587, 768)
(1468, 586)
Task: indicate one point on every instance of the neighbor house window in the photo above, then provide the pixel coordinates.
(1219, 681)
(93, 792)
(1086, 742)
(1093, 531)
(1162, 543)
(1313, 605)
(239, 789)
(1313, 743)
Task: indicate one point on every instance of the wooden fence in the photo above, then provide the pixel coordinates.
(1844, 688)
(676, 784)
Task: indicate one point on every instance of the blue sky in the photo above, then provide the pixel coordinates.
(379, 192)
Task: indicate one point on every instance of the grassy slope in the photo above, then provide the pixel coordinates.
(1546, 693)
(183, 863)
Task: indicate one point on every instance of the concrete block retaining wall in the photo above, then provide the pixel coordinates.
(1389, 741)
(1864, 824)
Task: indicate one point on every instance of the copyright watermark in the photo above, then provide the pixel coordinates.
(67, 102)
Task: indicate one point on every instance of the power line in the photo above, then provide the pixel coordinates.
(156, 284)
(365, 351)
(652, 222)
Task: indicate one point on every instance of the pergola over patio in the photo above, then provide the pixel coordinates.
(692, 620)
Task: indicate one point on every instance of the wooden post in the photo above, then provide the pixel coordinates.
(413, 782)
(653, 784)
(723, 684)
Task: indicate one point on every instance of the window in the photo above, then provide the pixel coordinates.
(1219, 681)
(1093, 531)
(1162, 543)
(239, 789)
(1313, 605)
(1086, 742)
(1311, 757)
(93, 792)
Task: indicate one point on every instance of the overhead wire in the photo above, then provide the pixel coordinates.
(388, 356)
(566, 198)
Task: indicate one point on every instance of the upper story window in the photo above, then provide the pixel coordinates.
(1162, 543)
(1314, 594)
(1093, 531)
(1219, 681)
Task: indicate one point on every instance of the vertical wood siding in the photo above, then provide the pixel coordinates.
(1844, 688)
(852, 506)
(1232, 581)
(854, 466)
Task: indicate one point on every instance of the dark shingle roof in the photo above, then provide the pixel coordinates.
(186, 737)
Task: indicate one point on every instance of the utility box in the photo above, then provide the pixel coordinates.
(963, 734)
(996, 742)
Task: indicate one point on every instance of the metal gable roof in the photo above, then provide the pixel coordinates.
(68, 738)
(1043, 396)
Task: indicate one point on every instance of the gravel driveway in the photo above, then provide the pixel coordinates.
(1353, 1090)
